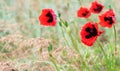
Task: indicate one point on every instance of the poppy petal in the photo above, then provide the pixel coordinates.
(107, 19)
(96, 7)
(89, 33)
(83, 12)
(47, 17)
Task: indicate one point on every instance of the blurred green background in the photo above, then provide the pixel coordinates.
(21, 36)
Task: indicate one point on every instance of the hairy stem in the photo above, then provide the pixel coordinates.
(115, 37)
(80, 2)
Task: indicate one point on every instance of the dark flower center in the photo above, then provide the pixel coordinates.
(109, 19)
(98, 8)
(85, 13)
(92, 32)
(49, 15)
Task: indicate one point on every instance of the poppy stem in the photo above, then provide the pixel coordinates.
(64, 37)
(74, 42)
(62, 29)
(100, 45)
(115, 37)
(77, 50)
(54, 62)
(80, 2)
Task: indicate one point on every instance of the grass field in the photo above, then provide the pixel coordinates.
(25, 45)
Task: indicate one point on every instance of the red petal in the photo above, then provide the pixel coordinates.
(96, 7)
(89, 41)
(44, 19)
(110, 15)
(83, 12)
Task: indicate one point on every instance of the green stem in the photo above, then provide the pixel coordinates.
(105, 55)
(70, 35)
(65, 37)
(54, 62)
(62, 29)
(61, 20)
(80, 2)
(74, 43)
(76, 32)
(101, 48)
(115, 37)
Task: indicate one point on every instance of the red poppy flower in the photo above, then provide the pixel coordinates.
(83, 12)
(47, 17)
(89, 33)
(96, 7)
(107, 19)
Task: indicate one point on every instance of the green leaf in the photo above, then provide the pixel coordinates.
(60, 24)
(50, 48)
(40, 50)
(66, 23)
(59, 14)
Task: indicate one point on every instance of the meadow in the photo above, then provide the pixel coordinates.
(26, 45)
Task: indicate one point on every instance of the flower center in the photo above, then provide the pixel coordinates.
(92, 32)
(109, 19)
(98, 8)
(85, 13)
(49, 15)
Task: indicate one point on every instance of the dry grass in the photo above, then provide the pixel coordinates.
(18, 48)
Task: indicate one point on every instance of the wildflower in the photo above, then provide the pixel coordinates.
(96, 7)
(89, 33)
(83, 13)
(47, 17)
(107, 19)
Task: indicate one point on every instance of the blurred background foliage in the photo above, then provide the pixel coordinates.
(21, 35)
(22, 16)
